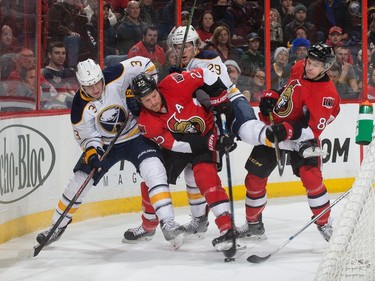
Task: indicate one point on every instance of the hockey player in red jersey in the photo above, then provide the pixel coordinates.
(301, 112)
(174, 119)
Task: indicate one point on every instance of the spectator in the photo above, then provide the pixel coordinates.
(67, 22)
(152, 15)
(280, 70)
(359, 65)
(169, 13)
(234, 72)
(299, 49)
(277, 34)
(299, 12)
(347, 70)
(63, 79)
(300, 32)
(206, 27)
(257, 85)
(110, 18)
(219, 8)
(129, 31)
(8, 43)
(118, 7)
(334, 37)
(148, 47)
(252, 59)
(221, 44)
(170, 60)
(148, 12)
(342, 88)
(371, 85)
(327, 13)
(243, 19)
(26, 85)
(371, 33)
(110, 23)
(184, 18)
(24, 60)
(285, 10)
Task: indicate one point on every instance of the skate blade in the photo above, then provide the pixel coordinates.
(255, 237)
(194, 237)
(177, 242)
(140, 240)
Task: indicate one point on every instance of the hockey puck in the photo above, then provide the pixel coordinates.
(229, 259)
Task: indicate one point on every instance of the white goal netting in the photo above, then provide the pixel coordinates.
(350, 254)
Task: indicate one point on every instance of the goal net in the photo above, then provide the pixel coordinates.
(350, 254)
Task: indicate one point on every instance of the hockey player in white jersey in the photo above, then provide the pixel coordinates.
(99, 109)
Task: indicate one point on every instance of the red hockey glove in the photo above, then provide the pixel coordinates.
(281, 132)
(268, 101)
(221, 104)
(92, 157)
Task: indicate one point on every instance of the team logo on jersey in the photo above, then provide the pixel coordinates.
(111, 118)
(193, 125)
(284, 105)
(178, 77)
(142, 129)
(328, 102)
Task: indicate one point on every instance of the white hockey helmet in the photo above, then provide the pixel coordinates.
(179, 33)
(88, 72)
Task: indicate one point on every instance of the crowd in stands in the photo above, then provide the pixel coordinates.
(234, 29)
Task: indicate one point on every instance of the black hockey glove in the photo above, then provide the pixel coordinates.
(175, 68)
(92, 157)
(268, 101)
(281, 132)
(220, 143)
(221, 104)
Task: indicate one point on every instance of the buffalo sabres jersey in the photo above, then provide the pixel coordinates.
(96, 121)
(212, 61)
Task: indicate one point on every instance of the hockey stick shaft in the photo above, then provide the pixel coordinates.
(231, 252)
(190, 19)
(257, 259)
(280, 164)
(38, 248)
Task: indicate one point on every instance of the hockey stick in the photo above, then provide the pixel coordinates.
(39, 247)
(279, 158)
(232, 251)
(190, 19)
(258, 259)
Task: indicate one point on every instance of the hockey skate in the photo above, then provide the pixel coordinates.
(326, 230)
(197, 226)
(225, 241)
(55, 235)
(252, 230)
(137, 234)
(173, 233)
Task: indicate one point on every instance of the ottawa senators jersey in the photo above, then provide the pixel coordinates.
(96, 121)
(183, 114)
(301, 97)
(212, 61)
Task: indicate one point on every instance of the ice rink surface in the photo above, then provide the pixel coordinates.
(92, 250)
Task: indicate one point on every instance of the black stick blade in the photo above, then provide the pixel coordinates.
(257, 259)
